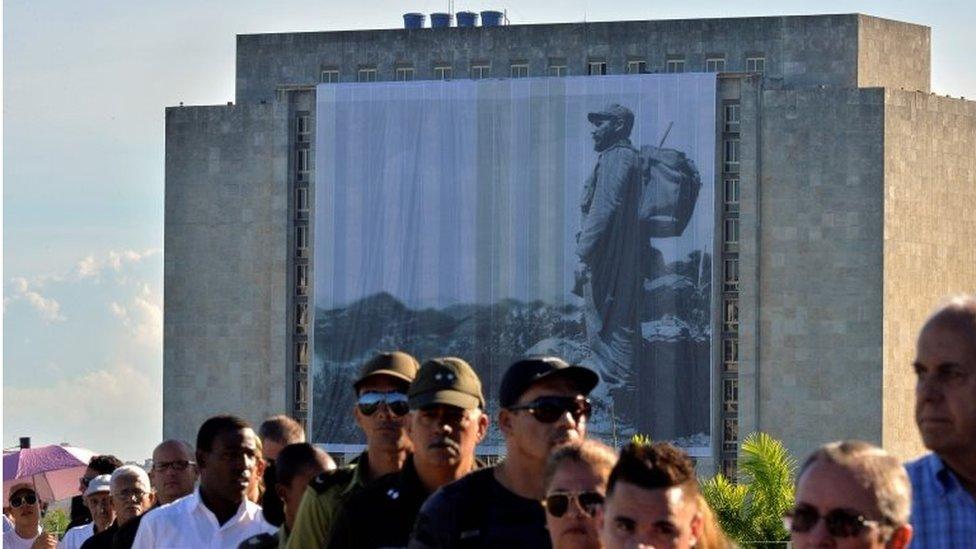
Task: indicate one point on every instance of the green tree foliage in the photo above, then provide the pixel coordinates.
(751, 510)
(55, 521)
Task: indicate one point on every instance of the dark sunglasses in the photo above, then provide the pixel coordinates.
(841, 523)
(558, 503)
(550, 409)
(396, 403)
(17, 501)
(178, 465)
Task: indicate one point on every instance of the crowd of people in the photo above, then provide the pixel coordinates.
(420, 484)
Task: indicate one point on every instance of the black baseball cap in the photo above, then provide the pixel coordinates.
(522, 374)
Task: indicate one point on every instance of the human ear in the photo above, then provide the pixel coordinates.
(483, 422)
(900, 538)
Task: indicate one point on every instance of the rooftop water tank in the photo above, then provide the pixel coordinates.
(413, 20)
(491, 18)
(440, 20)
(467, 19)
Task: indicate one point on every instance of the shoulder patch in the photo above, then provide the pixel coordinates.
(324, 481)
(260, 541)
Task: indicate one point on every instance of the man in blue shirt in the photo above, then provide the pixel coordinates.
(944, 481)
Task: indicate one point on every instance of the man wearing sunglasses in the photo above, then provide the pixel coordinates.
(543, 405)
(447, 421)
(26, 511)
(380, 411)
(99, 502)
(944, 481)
(97, 465)
(851, 495)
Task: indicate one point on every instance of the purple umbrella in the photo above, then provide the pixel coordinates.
(52, 470)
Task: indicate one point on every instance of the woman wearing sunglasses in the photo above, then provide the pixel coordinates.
(25, 509)
(576, 482)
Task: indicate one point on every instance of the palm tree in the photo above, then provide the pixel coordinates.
(751, 510)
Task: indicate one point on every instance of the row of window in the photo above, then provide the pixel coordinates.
(520, 69)
(302, 319)
(730, 287)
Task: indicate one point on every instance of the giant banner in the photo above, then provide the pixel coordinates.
(496, 219)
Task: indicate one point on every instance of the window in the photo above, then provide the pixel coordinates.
(636, 67)
(480, 71)
(301, 318)
(301, 393)
(675, 65)
(729, 467)
(756, 64)
(596, 68)
(731, 117)
(301, 240)
(731, 275)
(302, 162)
(443, 72)
(330, 76)
(557, 67)
(730, 394)
(301, 200)
(519, 70)
(366, 75)
(732, 234)
(730, 434)
(731, 321)
(301, 352)
(731, 155)
(730, 354)
(732, 194)
(301, 125)
(301, 278)
(404, 74)
(715, 64)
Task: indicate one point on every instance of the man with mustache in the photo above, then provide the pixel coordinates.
(381, 412)
(447, 421)
(544, 405)
(131, 496)
(218, 513)
(944, 481)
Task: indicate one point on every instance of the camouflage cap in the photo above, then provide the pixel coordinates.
(447, 380)
(396, 364)
(613, 111)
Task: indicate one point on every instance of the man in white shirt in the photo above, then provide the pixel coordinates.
(217, 514)
(26, 511)
(99, 503)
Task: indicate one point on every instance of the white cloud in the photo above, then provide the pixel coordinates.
(142, 316)
(93, 267)
(48, 308)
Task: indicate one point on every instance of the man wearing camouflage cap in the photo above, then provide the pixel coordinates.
(380, 411)
(447, 421)
(609, 246)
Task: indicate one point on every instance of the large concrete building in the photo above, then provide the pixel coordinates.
(848, 210)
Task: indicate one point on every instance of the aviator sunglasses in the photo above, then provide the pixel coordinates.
(558, 503)
(396, 402)
(550, 409)
(841, 523)
(17, 501)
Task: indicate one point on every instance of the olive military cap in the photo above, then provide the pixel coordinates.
(397, 364)
(447, 380)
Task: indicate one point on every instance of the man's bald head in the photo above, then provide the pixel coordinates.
(172, 446)
(174, 472)
(958, 315)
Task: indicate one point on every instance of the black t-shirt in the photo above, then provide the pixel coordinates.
(102, 540)
(477, 511)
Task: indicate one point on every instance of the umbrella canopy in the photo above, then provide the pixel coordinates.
(52, 470)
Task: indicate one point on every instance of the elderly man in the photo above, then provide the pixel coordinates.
(447, 421)
(26, 510)
(380, 411)
(851, 494)
(218, 513)
(543, 405)
(652, 499)
(97, 465)
(944, 481)
(131, 497)
(276, 432)
(98, 499)
(609, 246)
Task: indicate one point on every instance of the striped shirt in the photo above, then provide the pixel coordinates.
(943, 512)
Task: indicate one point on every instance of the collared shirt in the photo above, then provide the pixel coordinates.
(74, 537)
(187, 522)
(321, 500)
(943, 512)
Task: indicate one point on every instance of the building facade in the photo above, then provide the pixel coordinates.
(847, 210)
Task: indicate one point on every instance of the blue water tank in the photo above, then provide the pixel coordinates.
(467, 19)
(491, 18)
(440, 20)
(413, 20)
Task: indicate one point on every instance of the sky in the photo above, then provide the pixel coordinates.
(85, 85)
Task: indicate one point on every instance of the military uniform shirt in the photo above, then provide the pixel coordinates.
(321, 500)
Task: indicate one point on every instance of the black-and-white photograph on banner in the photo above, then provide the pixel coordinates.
(494, 219)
